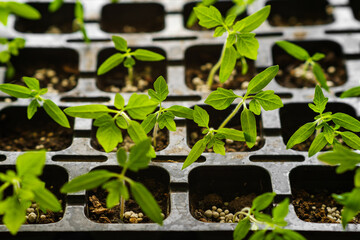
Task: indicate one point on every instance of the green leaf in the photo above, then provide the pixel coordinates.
(116, 189)
(352, 92)
(247, 45)
(121, 122)
(346, 121)
(268, 100)
(328, 133)
(303, 133)
(79, 11)
(195, 153)
(87, 111)
(146, 55)
(318, 56)
(232, 134)
(227, 64)
(317, 145)
(219, 146)
(140, 106)
(5, 56)
(231, 39)
(121, 157)
(320, 100)
(263, 201)
(15, 90)
(252, 22)
(201, 117)
(46, 200)
(357, 178)
(139, 155)
(258, 235)
(32, 108)
(181, 111)
(14, 215)
(149, 122)
(109, 135)
(255, 106)
(351, 202)
(4, 14)
(110, 63)
(129, 62)
(219, 31)
(294, 50)
(87, 181)
(351, 139)
(32, 83)
(24, 10)
(103, 120)
(281, 210)
(119, 102)
(30, 163)
(248, 124)
(242, 229)
(167, 120)
(262, 80)
(209, 17)
(320, 76)
(221, 98)
(161, 89)
(136, 132)
(292, 235)
(55, 113)
(229, 20)
(147, 202)
(120, 43)
(55, 5)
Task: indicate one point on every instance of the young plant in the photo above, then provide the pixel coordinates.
(222, 99)
(13, 47)
(310, 61)
(111, 121)
(79, 16)
(117, 184)
(20, 9)
(276, 222)
(127, 57)
(238, 8)
(240, 42)
(346, 161)
(26, 188)
(34, 92)
(326, 133)
(164, 117)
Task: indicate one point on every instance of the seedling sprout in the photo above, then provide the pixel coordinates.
(13, 47)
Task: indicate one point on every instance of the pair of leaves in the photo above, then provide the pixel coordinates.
(117, 58)
(34, 92)
(302, 55)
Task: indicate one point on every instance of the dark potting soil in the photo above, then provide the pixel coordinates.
(162, 141)
(290, 73)
(98, 212)
(318, 207)
(41, 132)
(226, 210)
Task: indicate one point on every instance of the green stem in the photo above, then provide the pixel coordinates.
(122, 207)
(131, 75)
(155, 133)
(223, 124)
(306, 66)
(126, 117)
(216, 67)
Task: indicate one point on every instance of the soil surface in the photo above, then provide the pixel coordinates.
(318, 207)
(162, 141)
(97, 211)
(291, 72)
(39, 133)
(212, 208)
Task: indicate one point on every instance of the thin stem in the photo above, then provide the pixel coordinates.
(216, 67)
(155, 130)
(223, 124)
(122, 207)
(131, 75)
(126, 117)
(306, 66)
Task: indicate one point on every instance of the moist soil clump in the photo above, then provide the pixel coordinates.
(318, 207)
(212, 208)
(98, 212)
(197, 74)
(291, 74)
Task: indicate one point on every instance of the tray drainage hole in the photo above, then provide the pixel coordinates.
(277, 158)
(2, 158)
(85, 99)
(79, 158)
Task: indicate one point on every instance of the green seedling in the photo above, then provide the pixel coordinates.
(111, 121)
(222, 99)
(117, 184)
(127, 57)
(240, 42)
(20, 9)
(12, 50)
(325, 132)
(310, 61)
(34, 92)
(276, 222)
(238, 8)
(164, 117)
(352, 92)
(79, 16)
(346, 161)
(26, 188)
